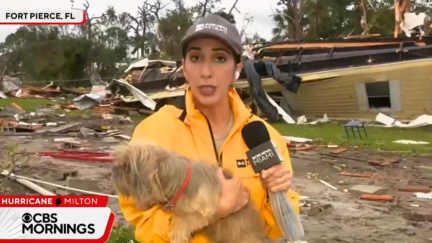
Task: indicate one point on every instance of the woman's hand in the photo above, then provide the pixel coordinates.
(277, 178)
(234, 196)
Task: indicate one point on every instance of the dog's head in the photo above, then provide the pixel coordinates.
(136, 173)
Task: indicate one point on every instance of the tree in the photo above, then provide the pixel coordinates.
(290, 19)
(97, 48)
(256, 38)
(320, 19)
(143, 26)
(173, 26)
(48, 53)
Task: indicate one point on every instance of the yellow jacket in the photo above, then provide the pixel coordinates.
(186, 131)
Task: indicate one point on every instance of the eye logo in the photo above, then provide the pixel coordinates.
(58, 201)
(11, 224)
(26, 218)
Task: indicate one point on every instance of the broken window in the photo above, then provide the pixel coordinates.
(378, 95)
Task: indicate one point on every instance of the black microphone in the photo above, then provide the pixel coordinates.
(262, 153)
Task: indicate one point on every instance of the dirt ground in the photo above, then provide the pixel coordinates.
(349, 219)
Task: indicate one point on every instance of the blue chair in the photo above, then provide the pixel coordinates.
(355, 126)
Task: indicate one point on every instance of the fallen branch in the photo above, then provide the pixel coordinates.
(233, 7)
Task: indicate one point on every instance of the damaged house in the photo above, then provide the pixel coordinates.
(352, 78)
(155, 83)
(358, 78)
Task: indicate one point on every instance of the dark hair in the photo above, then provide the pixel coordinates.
(227, 16)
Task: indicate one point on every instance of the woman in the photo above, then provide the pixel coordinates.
(208, 127)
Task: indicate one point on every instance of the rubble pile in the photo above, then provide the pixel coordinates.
(100, 97)
(48, 121)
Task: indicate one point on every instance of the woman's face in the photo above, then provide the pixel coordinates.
(210, 68)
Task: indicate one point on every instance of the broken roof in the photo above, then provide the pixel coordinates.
(142, 63)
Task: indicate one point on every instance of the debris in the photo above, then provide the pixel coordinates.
(123, 136)
(427, 176)
(372, 197)
(344, 173)
(328, 184)
(64, 175)
(338, 150)
(301, 120)
(423, 120)
(68, 140)
(289, 139)
(415, 189)
(412, 20)
(423, 195)
(79, 155)
(287, 118)
(26, 180)
(421, 167)
(319, 210)
(9, 84)
(16, 106)
(379, 162)
(301, 147)
(383, 161)
(23, 181)
(367, 189)
(83, 184)
(411, 142)
(70, 127)
(84, 132)
(141, 96)
(96, 96)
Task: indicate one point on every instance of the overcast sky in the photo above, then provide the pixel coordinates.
(259, 9)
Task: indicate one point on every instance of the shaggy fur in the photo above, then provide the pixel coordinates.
(153, 175)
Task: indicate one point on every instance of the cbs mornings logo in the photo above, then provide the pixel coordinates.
(48, 223)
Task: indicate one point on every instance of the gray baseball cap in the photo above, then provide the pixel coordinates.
(213, 25)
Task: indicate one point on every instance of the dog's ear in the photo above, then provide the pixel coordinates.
(152, 156)
(136, 171)
(156, 188)
(121, 172)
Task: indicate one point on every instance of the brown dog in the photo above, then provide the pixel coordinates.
(155, 176)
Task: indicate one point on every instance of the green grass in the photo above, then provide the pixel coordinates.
(378, 137)
(331, 133)
(122, 235)
(30, 105)
(26, 104)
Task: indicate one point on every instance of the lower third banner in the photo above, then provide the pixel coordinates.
(55, 219)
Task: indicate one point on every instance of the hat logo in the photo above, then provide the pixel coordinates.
(212, 26)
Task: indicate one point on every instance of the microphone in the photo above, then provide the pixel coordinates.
(262, 152)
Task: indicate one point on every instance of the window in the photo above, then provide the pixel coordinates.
(378, 95)
(383, 95)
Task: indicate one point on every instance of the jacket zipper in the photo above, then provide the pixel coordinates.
(218, 159)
